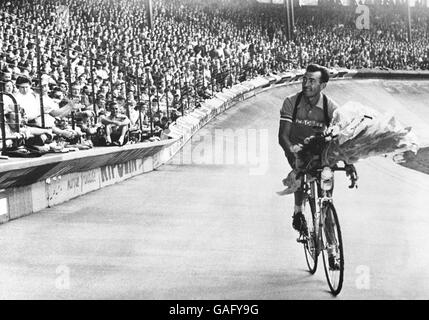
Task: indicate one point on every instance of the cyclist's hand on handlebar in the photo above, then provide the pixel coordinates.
(296, 148)
(352, 174)
(350, 169)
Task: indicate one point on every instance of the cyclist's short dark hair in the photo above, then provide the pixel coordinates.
(323, 70)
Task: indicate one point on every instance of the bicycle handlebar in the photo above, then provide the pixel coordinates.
(314, 145)
(350, 172)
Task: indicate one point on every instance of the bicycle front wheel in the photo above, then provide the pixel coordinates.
(333, 255)
(310, 245)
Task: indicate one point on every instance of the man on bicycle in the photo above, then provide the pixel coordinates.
(303, 115)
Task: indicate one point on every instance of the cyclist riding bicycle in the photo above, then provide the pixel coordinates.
(302, 115)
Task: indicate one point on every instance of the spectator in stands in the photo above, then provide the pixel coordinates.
(9, 106)
(116, 126)
(100, 104)
(6, 75)
(9, 87)
(83, 111)
(27, 103)
(27, 99)
(55, 117)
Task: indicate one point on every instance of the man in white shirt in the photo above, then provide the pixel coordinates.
(29, 101)
(27, 98)
(116, 126)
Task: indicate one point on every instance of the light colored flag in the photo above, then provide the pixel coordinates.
(63, 17)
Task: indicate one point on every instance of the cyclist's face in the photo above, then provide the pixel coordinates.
(311, 85)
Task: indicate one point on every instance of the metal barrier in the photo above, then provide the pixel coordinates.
(14, 126)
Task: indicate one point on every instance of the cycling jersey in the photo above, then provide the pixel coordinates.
(308, 120)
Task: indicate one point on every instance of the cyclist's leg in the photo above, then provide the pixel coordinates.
(299, 221)
(332, 244)
(298, 217)
(330, 225)
(299, 196)
(330, 229)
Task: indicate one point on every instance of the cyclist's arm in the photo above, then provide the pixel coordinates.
(284, 132)
(285, 128)
(284, 141)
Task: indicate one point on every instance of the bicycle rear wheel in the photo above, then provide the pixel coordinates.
(333, 255)
(310, 245)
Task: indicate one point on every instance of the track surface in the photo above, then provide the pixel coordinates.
(217, 230)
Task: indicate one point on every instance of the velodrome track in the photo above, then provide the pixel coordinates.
(195, 230)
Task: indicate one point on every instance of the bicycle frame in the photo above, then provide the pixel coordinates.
(312, 190)
(311, 184)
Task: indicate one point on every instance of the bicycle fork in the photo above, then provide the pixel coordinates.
(321, 223)
(326, 225)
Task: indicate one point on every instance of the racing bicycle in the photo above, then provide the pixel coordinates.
(321, 232)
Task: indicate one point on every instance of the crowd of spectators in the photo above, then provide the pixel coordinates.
(124, 81)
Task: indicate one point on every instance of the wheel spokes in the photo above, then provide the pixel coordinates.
(310, 243)
(332, 250)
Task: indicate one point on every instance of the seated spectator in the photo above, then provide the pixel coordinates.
(6, 75)
(10, 110)
(29, 101)
(11, 124)
(100, 104)
(58, 118)
(116, 126)
(174, 115)
(83, 110)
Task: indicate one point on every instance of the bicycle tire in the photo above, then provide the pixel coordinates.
(334, 277)
(310, 246)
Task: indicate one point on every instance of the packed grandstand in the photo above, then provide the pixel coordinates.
(82, 73)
